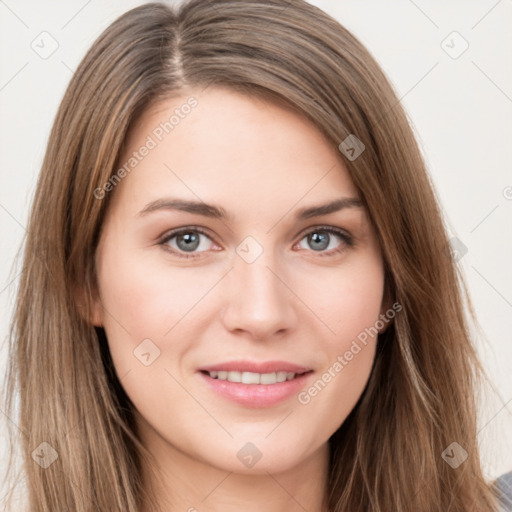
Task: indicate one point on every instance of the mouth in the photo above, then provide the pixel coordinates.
(255, 385)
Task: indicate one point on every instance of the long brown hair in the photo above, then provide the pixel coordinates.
(387, 455)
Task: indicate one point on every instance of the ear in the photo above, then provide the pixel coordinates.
(89, 305)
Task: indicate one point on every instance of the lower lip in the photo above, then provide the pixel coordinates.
(257, 395)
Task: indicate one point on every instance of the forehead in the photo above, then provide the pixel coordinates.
(232, 149)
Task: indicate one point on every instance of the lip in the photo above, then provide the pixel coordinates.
(255, 367)
(256, 395)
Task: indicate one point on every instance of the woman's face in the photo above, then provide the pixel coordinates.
(259, 280)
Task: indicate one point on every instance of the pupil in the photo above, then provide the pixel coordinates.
(191, 241)
(321, 238)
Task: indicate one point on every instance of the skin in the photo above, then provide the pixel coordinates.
(261, 162)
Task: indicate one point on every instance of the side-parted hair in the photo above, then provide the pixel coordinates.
(423, 392)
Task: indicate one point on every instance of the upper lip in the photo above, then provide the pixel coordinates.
(255, 367)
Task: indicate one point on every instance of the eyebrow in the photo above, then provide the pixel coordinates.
(217, 212)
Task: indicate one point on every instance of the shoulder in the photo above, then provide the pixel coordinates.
(504, 487)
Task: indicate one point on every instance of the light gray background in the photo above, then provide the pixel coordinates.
(460, 109)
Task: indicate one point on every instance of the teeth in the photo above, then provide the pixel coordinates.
(234, 376)
(282, 376)
(252, 378)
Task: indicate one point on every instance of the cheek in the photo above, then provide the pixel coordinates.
(338, 387)
(145, 305)
(144, 298)
(348, 300)
(350, 304)
(349, 357)
(147, 296)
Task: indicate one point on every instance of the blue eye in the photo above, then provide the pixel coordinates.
(320, 239)
(188, 242)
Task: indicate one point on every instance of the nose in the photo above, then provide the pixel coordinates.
(259, 300)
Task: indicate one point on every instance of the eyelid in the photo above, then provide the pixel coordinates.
(173, 232)
(168, 235)
(324, 227)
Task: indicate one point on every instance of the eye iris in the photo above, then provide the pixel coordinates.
(320, 238)
(191, 241)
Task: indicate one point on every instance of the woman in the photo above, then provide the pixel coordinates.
(237, 290)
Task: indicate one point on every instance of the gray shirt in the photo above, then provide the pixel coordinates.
(504, 487)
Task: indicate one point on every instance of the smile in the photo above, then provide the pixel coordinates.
(254, 389)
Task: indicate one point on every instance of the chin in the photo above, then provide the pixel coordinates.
(258, 457)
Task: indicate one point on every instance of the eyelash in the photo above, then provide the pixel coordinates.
(347, 239)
